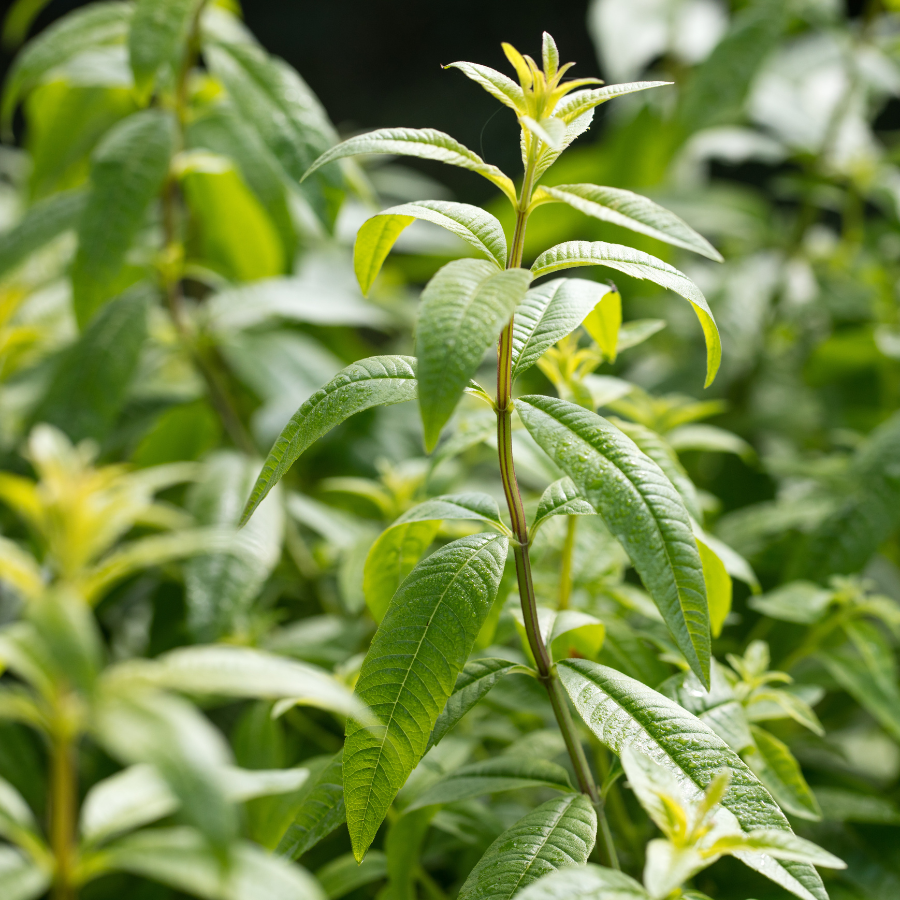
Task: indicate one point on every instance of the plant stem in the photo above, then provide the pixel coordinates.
(519, 523)
(62, 815)
(565, 573)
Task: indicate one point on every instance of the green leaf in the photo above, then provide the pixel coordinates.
(403, 845)
(588, 882)
(561, 499)
(92, 379)
(578, 103)
(604, 324)
(424, 143)
(279, 106)
(41, 224)
(220, 588)
(494, 776)
(841, 805)
(867, 675)
(637, 265)
(654, 446)
(559, 833)
(20, 878)
(464, 308)
(20, 569)
(17, 822)
(410, 672)
(343, 875)
(320, 811)
(96, 25)
(629, 210)
(549, 130)
(398, 548)
(640, 507)
(182, 859)
(234, 234)
(709, 438)
(845, 541)
(547, 314)
(495, 83)
(479, 229)
(127, 173)
(133, 797)
(391, 558)
(622, 712)
(473, 683)
(158, 41)
(718, 587)
(376, 381)
(221, 130)
(18, 22)
(774, 765)
(243, 672)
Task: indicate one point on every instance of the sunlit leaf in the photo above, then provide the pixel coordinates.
(20, 878)
(637, 265)
(479, 229)
(425, 143)
(495, 83)
(588, 882)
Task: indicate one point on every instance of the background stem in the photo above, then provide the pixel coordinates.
(62, 815)
(565, 570)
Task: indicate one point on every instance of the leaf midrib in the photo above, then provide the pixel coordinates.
(543, 844)
(412, 662)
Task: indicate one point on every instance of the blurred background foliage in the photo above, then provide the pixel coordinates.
(169, 295)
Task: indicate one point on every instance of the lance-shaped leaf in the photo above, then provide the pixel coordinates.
(640, 507)
(343, 875)
(376, 381)
(505, 773)
(495, 83)
(321, 808)
(604, 324)
(547, 314)
(272, 98)
(464, 308)
(476, 679)
(775, 766)
(41, 224)
(404, 542)
(588, 882)
(718, 587)
(575, 105)
(659, 451)
(561, 499)
(479, 229)
(629, 210)
(637, 265)
(622, 713)
(411, 670)
(424, 143)
(94, 26)
(559, 833)
(158, 38)
(127, 173)
(242, 672)
(20, 569)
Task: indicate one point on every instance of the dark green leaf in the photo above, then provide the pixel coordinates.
(92, 378)
(158, 40)
(41, 224)
(127, 173)
(640, 507)
(561, 499)
(321, 809)
(624, 713)
(376, 381)
(411, 669)
(547, 314)
(464, 308)
(493, 776)
(559, 833)
(344, 874)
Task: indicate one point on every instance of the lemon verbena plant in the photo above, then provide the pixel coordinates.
(417, 678)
